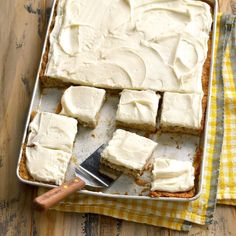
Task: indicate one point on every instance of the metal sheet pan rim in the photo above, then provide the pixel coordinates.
(86, 192)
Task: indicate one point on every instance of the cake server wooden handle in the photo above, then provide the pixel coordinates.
(53, 196)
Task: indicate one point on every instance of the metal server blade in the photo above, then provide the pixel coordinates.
(90, 167)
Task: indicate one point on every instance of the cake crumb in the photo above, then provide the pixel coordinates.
(145, 190)
(32, 115)
(73, 159)
(146, 135)
(178, 146)
(141, 182)
(58, 108)
(149, 167)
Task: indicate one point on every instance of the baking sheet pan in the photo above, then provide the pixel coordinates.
(170, 145)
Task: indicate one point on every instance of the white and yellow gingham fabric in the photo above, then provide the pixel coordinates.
(227, 181)
(177, 215)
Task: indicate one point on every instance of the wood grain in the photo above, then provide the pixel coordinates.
(21, 37)
(22, 30)
(227, 6)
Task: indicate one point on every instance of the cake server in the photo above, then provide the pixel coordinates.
(87, 175)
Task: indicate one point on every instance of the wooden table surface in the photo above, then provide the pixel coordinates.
(22, 31)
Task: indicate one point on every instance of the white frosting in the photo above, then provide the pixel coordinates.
(46, 164)
(83, 103)
(49, 146)
(182, 110)
(53, 131)
(172, 175)
(138, 107)
(141, 44)
(128, 150)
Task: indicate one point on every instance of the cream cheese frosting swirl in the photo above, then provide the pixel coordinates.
(143, 44)
(128, 150)
(172, 175)
(83, 103)
(138, 107)
(49, 146)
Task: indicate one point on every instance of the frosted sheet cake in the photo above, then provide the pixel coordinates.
(130, 50)
(91, 44)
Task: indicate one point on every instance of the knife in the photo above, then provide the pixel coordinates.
(87, 175)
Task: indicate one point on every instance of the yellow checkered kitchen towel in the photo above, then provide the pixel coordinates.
(227, 71)
(177, 215)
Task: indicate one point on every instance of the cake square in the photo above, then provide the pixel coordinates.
(138, 109)
(83, 103)
(127, 152)
(169, 175)
(182, 113)
(49, 146)
(47, 165)
(52, 131)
